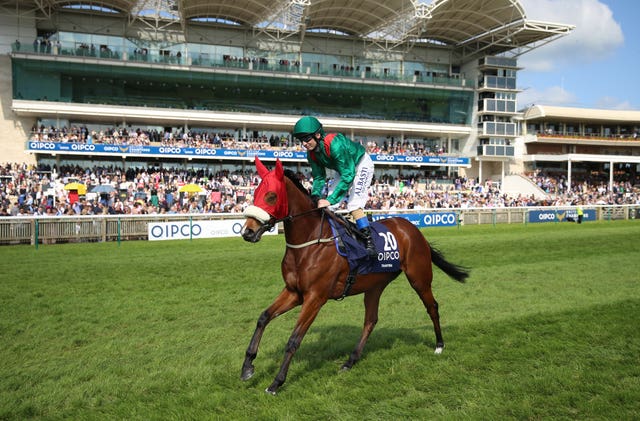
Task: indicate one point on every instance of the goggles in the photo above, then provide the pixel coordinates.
(305, 137)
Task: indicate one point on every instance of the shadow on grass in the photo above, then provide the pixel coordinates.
(601, 339)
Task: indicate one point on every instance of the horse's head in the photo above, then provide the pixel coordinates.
(269, 202)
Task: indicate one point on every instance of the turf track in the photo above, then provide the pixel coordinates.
(545, 328)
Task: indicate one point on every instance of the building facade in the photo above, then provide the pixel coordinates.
(435, 93)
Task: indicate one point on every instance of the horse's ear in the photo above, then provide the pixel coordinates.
(262, 170)
(279, 169)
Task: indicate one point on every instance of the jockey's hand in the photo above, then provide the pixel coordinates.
(323, 203)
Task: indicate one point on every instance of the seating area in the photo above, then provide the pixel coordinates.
(30, 190)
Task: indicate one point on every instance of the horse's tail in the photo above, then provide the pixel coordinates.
(459, 273)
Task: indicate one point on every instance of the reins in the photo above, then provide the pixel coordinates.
(272, 222)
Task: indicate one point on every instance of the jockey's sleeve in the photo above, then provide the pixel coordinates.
(319, 175)
(346, 167)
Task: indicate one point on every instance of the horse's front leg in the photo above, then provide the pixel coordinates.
(284, 302)
(308, 313)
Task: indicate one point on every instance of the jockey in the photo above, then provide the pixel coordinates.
(352, 164)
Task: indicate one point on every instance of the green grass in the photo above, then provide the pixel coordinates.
(545, 328)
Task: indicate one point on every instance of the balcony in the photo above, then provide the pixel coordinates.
(496, 150)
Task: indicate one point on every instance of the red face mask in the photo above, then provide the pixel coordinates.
(271, 194)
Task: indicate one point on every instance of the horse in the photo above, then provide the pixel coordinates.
(314, 272)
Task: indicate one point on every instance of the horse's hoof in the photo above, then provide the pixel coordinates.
(346, 367)
(271, 390)
(247, 373)
(438, 350)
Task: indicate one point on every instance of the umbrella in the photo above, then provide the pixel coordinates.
(79, 187)
(103, 189)
(190, 188)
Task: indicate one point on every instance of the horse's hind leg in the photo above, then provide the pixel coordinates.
(284, 302)
(371, 303)
(421, 284)
(432, 308)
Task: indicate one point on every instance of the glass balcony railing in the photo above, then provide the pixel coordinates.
(143, 55)
(496, 150)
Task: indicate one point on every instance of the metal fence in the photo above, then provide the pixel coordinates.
(66, 229)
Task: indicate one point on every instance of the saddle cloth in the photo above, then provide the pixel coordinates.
(387, 259)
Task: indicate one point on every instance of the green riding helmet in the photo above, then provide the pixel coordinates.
(307, 126)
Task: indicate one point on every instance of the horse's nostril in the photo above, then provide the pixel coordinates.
(248, 235)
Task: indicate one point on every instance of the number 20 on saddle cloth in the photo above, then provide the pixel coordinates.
(387, 258)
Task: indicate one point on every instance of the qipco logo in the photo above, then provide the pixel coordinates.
(439, 219)
(42, 145)
(176, 230)
(547, 217)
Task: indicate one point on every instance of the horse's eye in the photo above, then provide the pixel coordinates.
(271, 198)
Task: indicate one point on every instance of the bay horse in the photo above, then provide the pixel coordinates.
(315, 272)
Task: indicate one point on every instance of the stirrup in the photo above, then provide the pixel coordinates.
(371, 248)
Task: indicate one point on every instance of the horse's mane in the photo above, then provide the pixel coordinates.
(291, 175)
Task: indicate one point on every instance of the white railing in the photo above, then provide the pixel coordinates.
(99, 228)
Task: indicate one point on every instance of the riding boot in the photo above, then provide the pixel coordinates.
(368, 241)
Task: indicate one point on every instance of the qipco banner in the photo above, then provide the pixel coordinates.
(423, 220)
(185, 230)
(566, 215)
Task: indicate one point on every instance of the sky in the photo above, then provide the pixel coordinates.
(596, 66)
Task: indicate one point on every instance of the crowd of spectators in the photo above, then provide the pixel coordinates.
(30, 190)
(590, 188)
(210, 139)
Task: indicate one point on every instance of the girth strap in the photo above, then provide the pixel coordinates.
(351, 279)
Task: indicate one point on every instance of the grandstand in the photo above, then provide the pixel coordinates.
(438, 79)
(584, 142)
